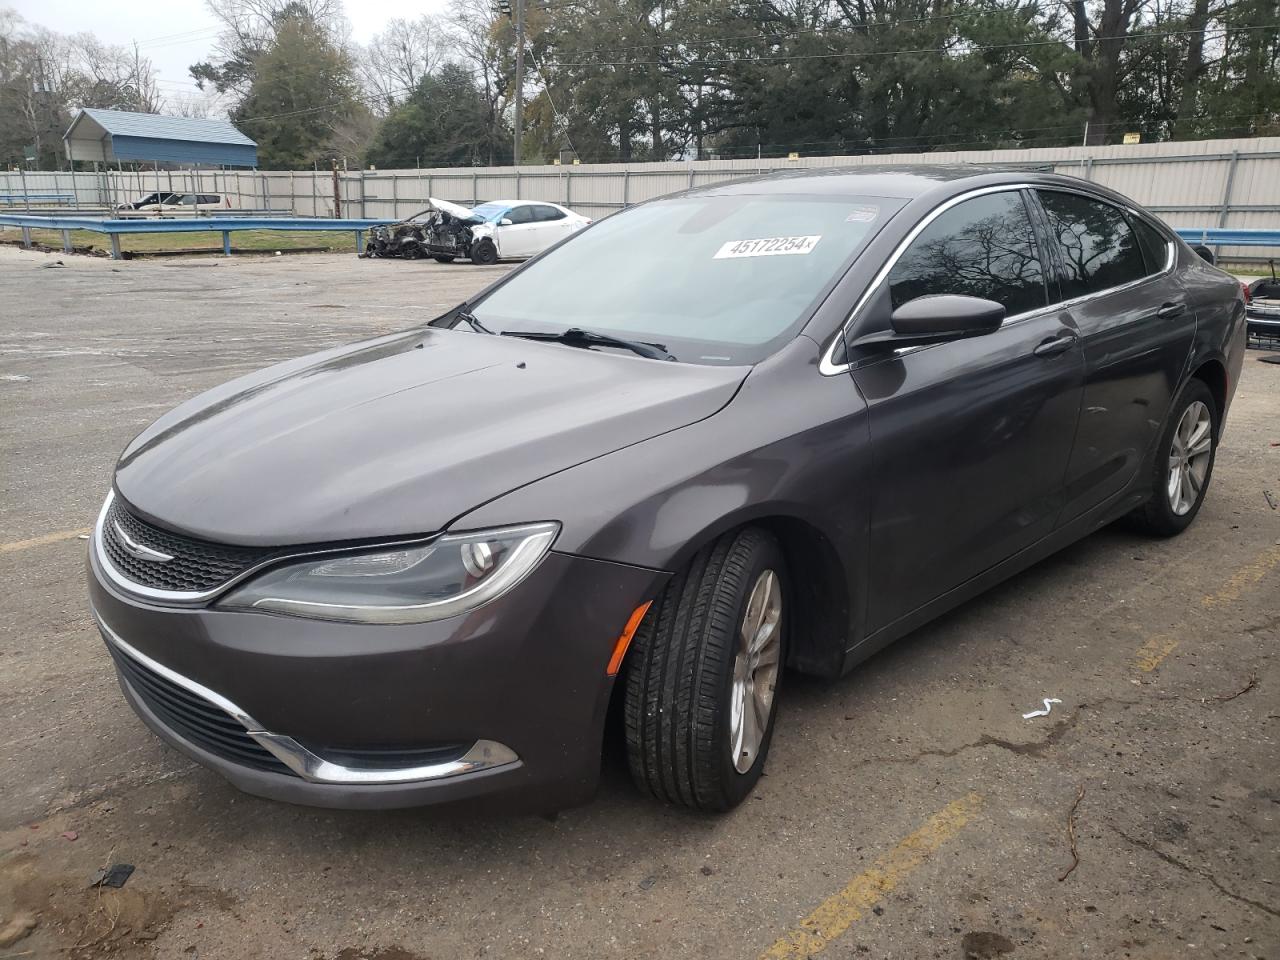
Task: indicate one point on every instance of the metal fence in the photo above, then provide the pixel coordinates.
(1201, 183)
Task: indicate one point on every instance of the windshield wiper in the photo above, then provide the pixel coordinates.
(577, 337)
(470, 320)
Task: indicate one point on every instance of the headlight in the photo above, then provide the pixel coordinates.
(449, 576)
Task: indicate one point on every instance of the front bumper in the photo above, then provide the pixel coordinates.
(506, 702)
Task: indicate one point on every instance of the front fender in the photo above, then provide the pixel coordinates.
(791, 450)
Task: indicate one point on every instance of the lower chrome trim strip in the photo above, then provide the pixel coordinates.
(482, 755)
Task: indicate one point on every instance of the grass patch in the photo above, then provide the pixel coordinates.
(265, 241)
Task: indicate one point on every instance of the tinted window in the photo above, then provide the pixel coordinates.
(210, 198)
(984, 247)
(1098, 247)
(1155, 248)
(543, 212)
(520, 214)
(718, 279)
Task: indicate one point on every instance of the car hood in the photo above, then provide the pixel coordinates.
(398, 436)
(453, 209)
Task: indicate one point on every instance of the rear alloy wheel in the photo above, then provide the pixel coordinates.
(484, 253)
(703, 672)
(1184, 463)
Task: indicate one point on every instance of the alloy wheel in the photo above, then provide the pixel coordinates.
(755, 670)
(1189, 458)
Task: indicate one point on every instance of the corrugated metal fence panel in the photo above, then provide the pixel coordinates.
(1185, 182)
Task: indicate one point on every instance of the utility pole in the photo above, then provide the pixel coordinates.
(519, 76)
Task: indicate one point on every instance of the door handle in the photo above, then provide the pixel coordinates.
(1055, 345)
(1171, 309)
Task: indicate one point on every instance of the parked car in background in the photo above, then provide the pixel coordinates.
(1264, 308)
(177, 203)
(779, 422)
(492, 231)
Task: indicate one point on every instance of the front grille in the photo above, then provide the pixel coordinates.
(197, 565)
(195, 719)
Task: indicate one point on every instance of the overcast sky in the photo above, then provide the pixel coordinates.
(176, 33)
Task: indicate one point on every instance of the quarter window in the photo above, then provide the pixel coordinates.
(984, 247)
(1155, 248)
(1099, 250)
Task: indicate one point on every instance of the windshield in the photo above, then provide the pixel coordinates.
(716, 279)
(489, 212)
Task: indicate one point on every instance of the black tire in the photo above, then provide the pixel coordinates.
(679, 676)
(484, 253)
(444, 259)
(1157, 516)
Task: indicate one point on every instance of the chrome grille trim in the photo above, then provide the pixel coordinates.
(481, 755)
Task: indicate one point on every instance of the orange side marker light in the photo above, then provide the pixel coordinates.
(624, 641)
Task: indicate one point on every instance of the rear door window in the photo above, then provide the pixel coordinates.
(984, 247)
(1098, 247)
(544, 212)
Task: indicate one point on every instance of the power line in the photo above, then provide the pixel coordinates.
(859, 55)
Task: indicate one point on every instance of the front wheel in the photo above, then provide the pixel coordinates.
(1184, 463)
(702, 677)
(484, 253)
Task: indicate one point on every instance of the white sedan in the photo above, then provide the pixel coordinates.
(507, 229)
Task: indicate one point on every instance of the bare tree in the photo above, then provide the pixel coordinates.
(398, 58)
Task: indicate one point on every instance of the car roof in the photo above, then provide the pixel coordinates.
(901, 181)
(524, 203)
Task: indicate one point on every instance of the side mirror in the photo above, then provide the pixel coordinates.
(504, 222)
(1205, 254)
(938, 318)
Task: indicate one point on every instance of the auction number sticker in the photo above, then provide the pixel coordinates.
(767, 247)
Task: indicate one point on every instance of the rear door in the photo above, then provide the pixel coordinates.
(971, 438)
(556, 224)
(1115, 272)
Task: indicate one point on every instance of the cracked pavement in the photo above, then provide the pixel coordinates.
(1144, 641)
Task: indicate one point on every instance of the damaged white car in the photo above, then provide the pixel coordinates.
(493, 231)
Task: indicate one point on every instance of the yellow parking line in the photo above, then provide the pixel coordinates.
(41, 541)
(1152, 653)
(1244, 578)
(837, 913)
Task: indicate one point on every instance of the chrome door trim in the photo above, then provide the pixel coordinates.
(829, 368)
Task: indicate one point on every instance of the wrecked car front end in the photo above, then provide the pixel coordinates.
(443, 231)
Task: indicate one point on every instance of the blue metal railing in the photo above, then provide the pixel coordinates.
(113, 228)
(226, 225)
(1229, 237)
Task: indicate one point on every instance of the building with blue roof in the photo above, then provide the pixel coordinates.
(104, 136)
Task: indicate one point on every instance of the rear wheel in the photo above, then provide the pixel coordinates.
(1184, 463)
(703, 674)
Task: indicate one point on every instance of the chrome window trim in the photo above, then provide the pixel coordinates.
(827, 366)
(481, 755)
(187, 597)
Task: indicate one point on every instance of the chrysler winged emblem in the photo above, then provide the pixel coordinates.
(136, 549)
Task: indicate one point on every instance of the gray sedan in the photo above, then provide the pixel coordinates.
(776, 423)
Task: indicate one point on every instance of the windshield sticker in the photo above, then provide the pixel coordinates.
(767, 247)
(862, 214)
